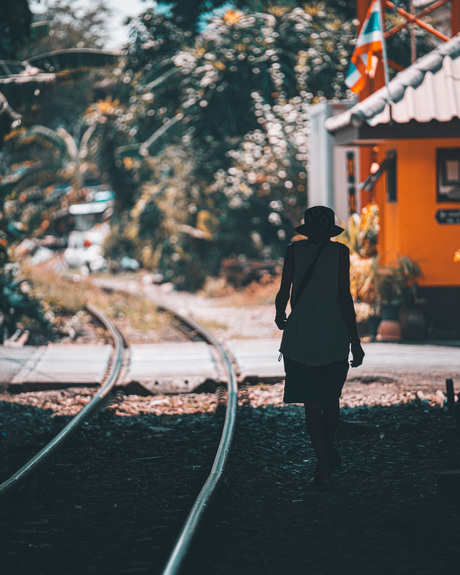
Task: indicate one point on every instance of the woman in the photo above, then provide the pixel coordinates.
(320, 329)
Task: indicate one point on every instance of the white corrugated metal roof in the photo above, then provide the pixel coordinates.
(426, 91)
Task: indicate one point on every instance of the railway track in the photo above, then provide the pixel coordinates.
(196, 515)
(99, 399)
(227, 398)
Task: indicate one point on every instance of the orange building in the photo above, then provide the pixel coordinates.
(415, 141)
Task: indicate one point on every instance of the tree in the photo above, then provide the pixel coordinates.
(25, 83)
(264, 189)
(227, 110)
(52, 157)
(279, 54)
(70, 25)
(189, 15)
(114, 132)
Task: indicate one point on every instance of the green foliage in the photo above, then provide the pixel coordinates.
(361, 231)
(15, 21)
(399, 45)
(279, 54)
(118, 244)
(396, 283)
(71, 25)
(191, 14)
(261, 196)
(19, 301)
(169, 227)
(188, 15)
(224, 113)
(201, 132)
(45, 158)
(40, 156)
(74, 28)
(153, 39)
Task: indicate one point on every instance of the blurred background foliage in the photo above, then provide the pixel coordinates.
(220, 116)
(199, 126)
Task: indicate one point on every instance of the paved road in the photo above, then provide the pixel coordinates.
(414, 358)
(260, 357)
(185, 366)
(54, 365)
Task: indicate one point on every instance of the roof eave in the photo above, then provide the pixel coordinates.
(367, 135)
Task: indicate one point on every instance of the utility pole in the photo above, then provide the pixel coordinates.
(413, 38)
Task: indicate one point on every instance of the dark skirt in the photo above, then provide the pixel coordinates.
(314, 383)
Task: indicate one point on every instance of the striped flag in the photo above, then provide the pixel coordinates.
(370, 40)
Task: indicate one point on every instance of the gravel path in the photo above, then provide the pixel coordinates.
(384, 516)
(226, 321)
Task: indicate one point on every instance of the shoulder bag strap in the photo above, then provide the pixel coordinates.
(306, 278)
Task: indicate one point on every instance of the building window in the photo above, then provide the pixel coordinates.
(392, 190)
(448, 174)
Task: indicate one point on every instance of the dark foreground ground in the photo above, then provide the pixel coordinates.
(385, 515)
(113, 502)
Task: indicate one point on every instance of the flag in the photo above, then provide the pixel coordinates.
(370, 40)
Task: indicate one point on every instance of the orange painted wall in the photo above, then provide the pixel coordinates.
(408, 226)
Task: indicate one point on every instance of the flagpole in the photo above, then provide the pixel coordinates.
(385, 60)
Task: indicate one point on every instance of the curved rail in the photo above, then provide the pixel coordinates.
(196, 514)
(83, 415)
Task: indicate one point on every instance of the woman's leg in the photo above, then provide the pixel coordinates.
(331, 414)
(316, 430)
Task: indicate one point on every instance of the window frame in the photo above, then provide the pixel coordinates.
(391, 184)
(443, 155)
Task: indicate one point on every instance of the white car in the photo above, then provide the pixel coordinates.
(85, 249)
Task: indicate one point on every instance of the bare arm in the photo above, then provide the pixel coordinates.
(347, 307)
(282, 297)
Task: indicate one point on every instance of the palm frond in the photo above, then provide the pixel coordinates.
(164, 79)
(21, 181)
(155, 141)
(47, 134)
(130, 151)
(5, 108)
(71, 146)
(74, 59)
(84, 142)
(11, 68)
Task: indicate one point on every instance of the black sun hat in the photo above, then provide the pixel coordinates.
(319, 220)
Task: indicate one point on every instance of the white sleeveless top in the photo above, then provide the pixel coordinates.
(315, 333)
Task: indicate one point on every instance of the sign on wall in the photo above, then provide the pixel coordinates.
(448, 216)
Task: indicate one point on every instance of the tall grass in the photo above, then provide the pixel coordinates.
(65, 296)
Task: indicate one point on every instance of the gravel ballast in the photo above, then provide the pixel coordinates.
(114, 500)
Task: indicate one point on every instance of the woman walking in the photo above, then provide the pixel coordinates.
(319, 331)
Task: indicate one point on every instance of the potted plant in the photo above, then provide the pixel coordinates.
(411, 316)
(396, 287)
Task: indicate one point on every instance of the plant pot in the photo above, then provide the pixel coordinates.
(389, 329)
(413, 324)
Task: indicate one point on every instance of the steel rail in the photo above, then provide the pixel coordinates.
(194, 518)
(83, 415)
